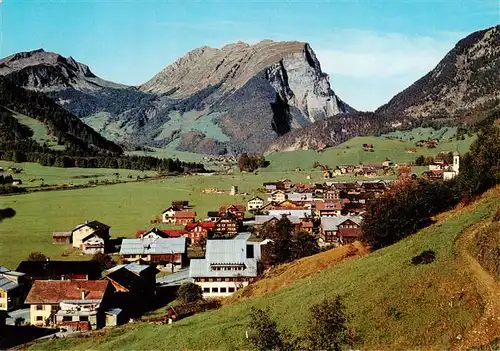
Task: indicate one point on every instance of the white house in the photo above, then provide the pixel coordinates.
(255, 203)
(90, 231)
(228, 266)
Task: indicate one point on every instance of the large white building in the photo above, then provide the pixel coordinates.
(228, 266)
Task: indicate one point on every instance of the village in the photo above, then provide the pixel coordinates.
(220, 251)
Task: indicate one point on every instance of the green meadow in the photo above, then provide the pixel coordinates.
(352, 152)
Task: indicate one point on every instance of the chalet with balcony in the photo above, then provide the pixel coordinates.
(77, 305)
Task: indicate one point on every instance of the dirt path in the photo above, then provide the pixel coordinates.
(487, 327)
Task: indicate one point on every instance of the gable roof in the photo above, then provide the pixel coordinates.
(56, 269)
(55, 291)
(96, 225)
(256, 198)
(125, 278)
(332, 223)
(238, 207)
(204, 224)
(153, 246)
(7, 284)
(259, 220)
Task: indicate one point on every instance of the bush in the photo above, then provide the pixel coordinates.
(265, 334)
(425, 257)
(105, 261)
(19, 321)
(189, 292)
(327, 329)
(37, 256)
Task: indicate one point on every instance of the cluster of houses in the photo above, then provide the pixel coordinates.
(332, 210)
(77, 295)
(80, 296)
(370, 171)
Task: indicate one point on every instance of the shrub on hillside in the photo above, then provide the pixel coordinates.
(327, 328)
(37, 256)
(287, 243)
(104, 260)
(404, 211)
(189, 292)
(425, 257)
(265, 335)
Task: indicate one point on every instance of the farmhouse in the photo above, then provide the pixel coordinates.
(227, 226)
(133, 285)
(228, 266)
(199, 230)
(176, 215)
(237, 210)
(255, 203)
(328, 209)
(91, 237)
(169, 251)
(339, 230)
(269, 220)
(78, 305)
(156, 233)
(277, 196)
(12, 285)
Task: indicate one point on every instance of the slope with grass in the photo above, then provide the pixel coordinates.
(394, 304)
(352, 152)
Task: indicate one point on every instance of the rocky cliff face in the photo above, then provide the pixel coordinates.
(237, 98)
(463, 87)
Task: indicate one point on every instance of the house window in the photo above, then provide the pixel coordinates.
(84, 318)
(222, 290)
(215, 290)
(39, 307)
(231, 290)
(67, 319)
(39, 318)
(206, 290)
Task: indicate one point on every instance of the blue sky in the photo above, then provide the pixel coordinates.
(370, 49)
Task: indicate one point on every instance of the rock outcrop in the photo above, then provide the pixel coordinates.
(237, 98)
(463, 87)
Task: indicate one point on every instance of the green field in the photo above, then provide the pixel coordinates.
(352, 152)
(393, 304)
(75, 176)
(443, 134)
(125, 207)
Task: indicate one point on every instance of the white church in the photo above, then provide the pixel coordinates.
(452, 171)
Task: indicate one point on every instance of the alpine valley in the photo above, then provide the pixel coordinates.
(267, 97)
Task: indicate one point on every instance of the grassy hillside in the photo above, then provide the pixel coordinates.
(352, 152)
(394, 304)
(40, 133)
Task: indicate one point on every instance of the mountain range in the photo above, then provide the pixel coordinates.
(271, 96)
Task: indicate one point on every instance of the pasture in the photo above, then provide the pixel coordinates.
(352, 152)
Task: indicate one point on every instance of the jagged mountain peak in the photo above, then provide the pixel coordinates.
(234, 64)
(48, 71)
